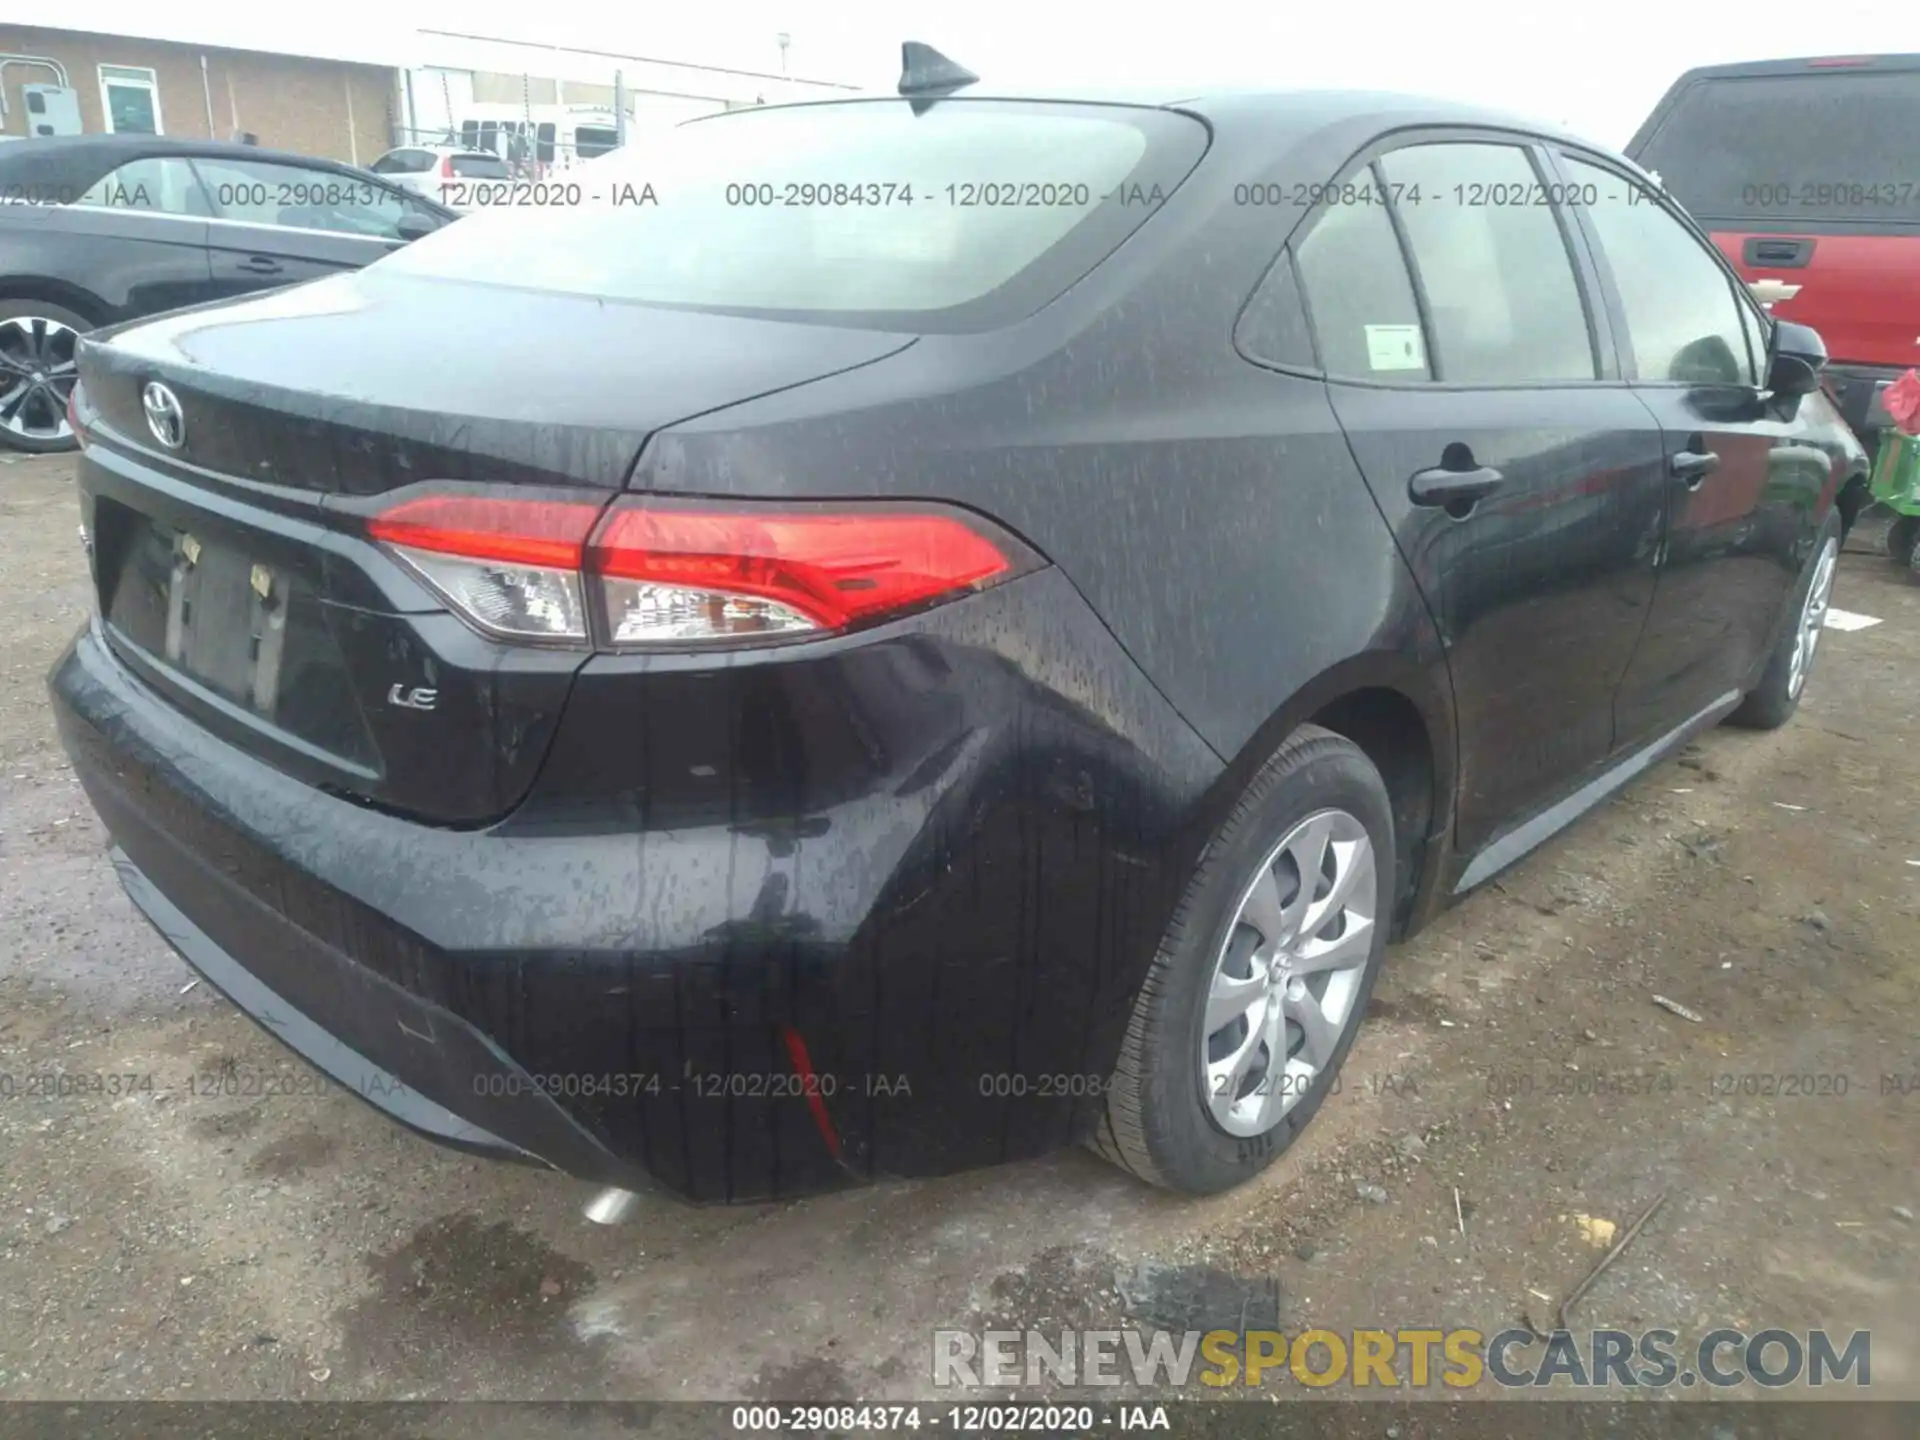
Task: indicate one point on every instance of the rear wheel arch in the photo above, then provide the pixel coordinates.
(17, 289)
(1853, 497)
(1400, 718)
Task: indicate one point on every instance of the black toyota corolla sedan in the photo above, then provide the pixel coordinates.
(892, 635)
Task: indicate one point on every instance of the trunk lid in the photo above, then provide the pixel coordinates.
(232, 570)
(364, 382)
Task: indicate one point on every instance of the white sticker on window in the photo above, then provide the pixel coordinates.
(1395, 347)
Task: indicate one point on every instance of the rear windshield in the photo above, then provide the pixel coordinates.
(480, 167)
(857, 213)
(592, 141)
(1777, 150)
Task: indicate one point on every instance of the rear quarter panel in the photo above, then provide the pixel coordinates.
(1209, 510)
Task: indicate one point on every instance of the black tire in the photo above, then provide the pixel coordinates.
(14, 310)
(1902, 535)
(1771, 703)
(1157, 1121)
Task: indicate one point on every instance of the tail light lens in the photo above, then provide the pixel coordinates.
(656, 573)
(511, 567)
(446, 167)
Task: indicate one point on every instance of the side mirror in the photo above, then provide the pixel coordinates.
(413, 225)
(1795, 359)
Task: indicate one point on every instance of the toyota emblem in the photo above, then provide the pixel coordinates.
(164, 418)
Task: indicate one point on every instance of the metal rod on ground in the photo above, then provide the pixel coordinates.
(1574, 1296)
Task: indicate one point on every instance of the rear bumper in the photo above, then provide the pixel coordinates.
(921, 959)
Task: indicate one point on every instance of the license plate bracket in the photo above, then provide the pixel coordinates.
(226, 621)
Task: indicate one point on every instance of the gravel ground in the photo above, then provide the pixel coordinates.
(168, 1243)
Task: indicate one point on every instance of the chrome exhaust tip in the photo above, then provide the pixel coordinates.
(612, 1206)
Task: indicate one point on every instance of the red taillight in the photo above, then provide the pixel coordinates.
(836, 569)
(680, 573)
(446, 167)
(520, 532)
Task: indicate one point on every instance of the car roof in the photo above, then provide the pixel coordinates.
(1301, 111)
(1817, 64)
(80, 160)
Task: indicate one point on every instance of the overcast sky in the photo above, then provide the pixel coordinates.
(1596, 68)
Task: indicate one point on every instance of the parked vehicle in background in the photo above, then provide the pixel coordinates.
(550, 136)
(442, 173)
(97, 229)
(1805, 174)
(980, 655)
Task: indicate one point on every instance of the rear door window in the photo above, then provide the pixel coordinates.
(401, 162)
(1775, 151)
(1360, 297)
(260, 192)
(480, 167)
(1684, 321)
(592, 141)
(1493, 263)
(160, 184)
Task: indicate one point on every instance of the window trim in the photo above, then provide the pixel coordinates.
(1616, 309)
(1416, 282)
(127, 78)
(1596, 296)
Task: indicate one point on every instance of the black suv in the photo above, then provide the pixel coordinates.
(956, 625)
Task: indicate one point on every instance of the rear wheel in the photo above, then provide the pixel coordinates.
(37, 371)
(1260, 983)
(1772, 702)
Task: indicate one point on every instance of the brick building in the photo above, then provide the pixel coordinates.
(341, 109)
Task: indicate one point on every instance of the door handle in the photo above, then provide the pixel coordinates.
(1690, 467)
(1441, 486)
(1786, 252)
(260, 265)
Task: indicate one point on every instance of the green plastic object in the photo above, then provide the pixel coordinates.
(1896, 472)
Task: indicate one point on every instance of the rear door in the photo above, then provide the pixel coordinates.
(145, 223)
(1805, 175)
(278, 224)
(1471, 369)
(1743, 475)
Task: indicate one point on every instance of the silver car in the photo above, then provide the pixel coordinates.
(443, 173)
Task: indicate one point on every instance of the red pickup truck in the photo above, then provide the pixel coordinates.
(1807, 175)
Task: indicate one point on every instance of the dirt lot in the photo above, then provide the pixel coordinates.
(169, 1244)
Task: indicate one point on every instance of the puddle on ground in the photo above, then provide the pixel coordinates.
(460, 1298)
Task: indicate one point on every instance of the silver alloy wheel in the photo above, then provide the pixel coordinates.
(1288, 973)
(1813, 617)
(37, 371)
